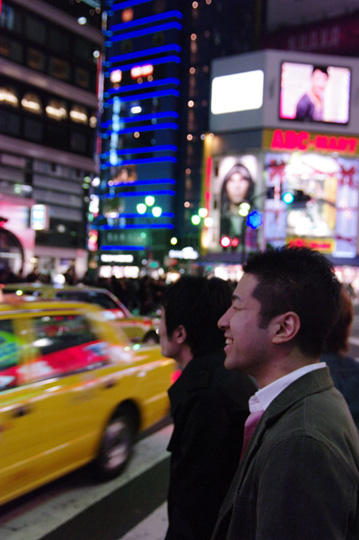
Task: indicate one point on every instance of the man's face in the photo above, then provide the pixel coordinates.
(169, 347)
(319, 82)
(247, 345)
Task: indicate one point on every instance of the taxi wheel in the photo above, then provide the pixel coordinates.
(116, 446)
(151, 338)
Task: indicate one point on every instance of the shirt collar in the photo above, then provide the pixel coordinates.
(264, 396)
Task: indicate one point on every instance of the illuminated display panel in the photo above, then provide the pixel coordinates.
(315, 93)
(328, 219)
(237, 92)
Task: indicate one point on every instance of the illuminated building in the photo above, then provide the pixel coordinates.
(273, 175)
(48, 97)
(155, 116)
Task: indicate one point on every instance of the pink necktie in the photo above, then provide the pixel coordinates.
(249, 428)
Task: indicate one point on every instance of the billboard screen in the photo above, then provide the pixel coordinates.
(314, 93)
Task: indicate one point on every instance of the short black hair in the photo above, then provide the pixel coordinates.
(197, 303)
(323, 69)
(337, 339)
(300, 280)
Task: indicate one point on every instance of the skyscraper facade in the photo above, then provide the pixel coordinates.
(49, 65)
(155, 118)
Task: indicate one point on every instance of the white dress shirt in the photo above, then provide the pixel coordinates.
(261, 400)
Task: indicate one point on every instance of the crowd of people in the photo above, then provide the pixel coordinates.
(141, 296)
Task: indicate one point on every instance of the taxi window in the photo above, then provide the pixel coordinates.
(10, 353)
(66, 344)
(91, 297)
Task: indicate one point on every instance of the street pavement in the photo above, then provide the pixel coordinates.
(76, 508)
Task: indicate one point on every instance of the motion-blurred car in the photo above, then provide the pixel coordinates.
(73, 391)
(137, 328)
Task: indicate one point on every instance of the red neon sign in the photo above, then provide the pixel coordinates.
(304, 140)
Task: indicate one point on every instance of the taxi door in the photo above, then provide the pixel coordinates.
(19, 413)
(76, 382)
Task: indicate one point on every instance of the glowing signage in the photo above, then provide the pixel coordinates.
(324, 245)
(39, 217)
(281, 139)
(237, 92)
(123, 258)
(185, 253)
(141, 71)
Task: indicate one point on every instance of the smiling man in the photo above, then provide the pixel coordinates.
(299, 475)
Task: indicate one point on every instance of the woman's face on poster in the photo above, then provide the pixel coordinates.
(237, 188)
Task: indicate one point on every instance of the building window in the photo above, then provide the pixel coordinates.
(7, 18)
(35, 30)
(78, 114)
(59, 69)
(83, 49)
(82, 78)
(35, 59)
(56, 109)
(12, 49)
(9, 123)
(33, 129)
(8, 96)
(78, 142)
(31, 102)
(59, 41)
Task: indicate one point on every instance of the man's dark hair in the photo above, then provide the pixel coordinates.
(197, 303)
(300, 280)
(323, 69)
(337, 339)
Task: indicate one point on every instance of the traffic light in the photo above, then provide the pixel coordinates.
(295, 196)
(234, 243)
(225, 242)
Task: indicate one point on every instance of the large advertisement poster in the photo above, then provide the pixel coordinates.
(233, 182)
(325, 215)
(314, 93)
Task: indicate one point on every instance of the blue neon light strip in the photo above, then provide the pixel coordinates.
(129, 3)
(143, 150)
(148, 95)
(154, 62)
(145, 183)
(146, 31)
(139, 193)
(122, 162)
(141, 129)
(141, 54)
(139, 216)
(143, 226)
(143, 117)
(145, 20)
(123, 247)
(135, 87)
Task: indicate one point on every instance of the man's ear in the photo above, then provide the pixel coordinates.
(180, 334)
(285, 327)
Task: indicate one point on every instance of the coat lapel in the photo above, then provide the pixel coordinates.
(311, 383)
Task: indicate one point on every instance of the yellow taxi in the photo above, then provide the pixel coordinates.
(73, 391)
(137, 328)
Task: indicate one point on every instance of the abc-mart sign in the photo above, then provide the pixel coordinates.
(281, 139)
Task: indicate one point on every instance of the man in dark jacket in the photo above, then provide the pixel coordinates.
(209, 406)
(299, 476)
